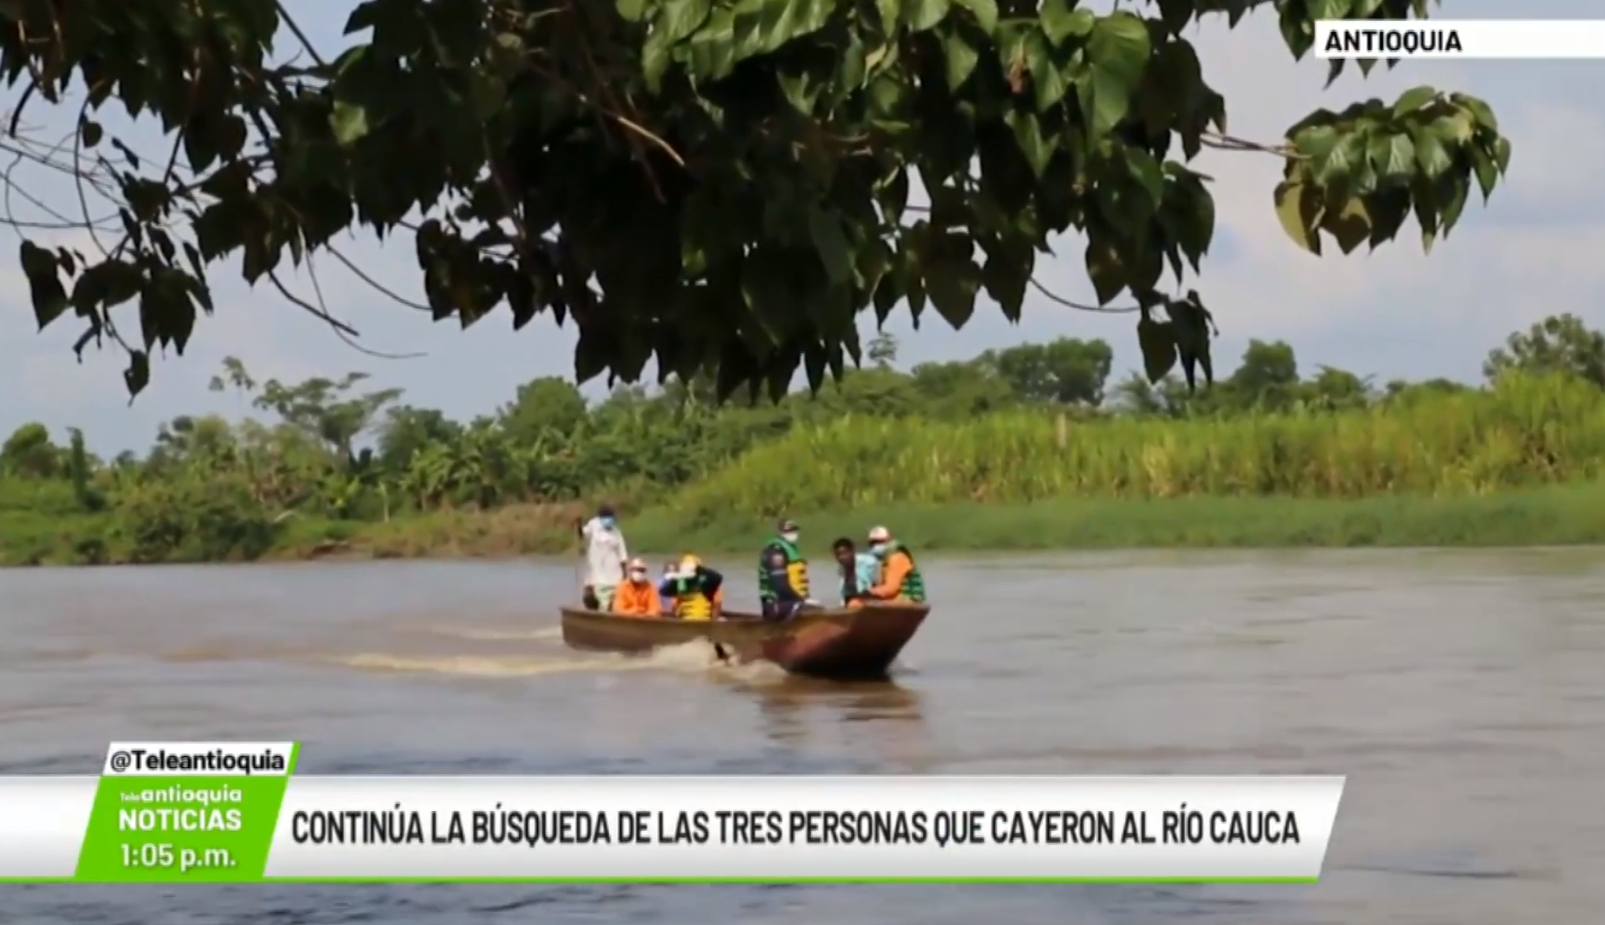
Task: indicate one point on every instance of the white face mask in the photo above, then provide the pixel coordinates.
(790, 537)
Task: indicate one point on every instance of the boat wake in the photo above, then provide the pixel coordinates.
(692, 657)
(493, 634)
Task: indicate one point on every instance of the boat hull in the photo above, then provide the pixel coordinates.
(841, 644)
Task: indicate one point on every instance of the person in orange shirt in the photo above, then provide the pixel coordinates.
(637, 595)
(900, 578)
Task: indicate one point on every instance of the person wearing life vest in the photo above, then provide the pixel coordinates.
(900, 578)
(698, 590)
(637, 595)
(783, 575)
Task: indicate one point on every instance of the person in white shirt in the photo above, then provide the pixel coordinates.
(605, 557)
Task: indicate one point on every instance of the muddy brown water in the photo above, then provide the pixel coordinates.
(1463, 693)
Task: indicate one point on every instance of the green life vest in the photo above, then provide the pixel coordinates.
(914, 583)
(796, 568)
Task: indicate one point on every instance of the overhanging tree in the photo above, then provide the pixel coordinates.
(722, 185)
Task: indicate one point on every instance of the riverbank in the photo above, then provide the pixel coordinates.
(1549, 516)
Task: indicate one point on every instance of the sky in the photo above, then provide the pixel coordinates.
(1537, 249)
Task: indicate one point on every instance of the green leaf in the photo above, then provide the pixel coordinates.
(1342, 162)
(1483, 166)
(1062, 19)
(348, 122)
(1350, 226)
(920, 15)
(1316, 142)
(632, 10)
(137, 375)
(1147, 172)
(1006, 279)
(1328, 9)
(1480, 112)
(1454, 129)
(1105, 269)
(1175, 14)
(1028, 135)
(984, 11)
(1298, 208)
(890, 13)
(835, 253)
(1430, 154)
(1117, 53)
(1453, 190)
(1388, 209)
(679, 18)
(961, 59)
(1157, 339)
(1393, 156)
(44, 283)
(951, 276)
(1502, 154)
(1412, 100)
(1048, 84)
(1190, 323)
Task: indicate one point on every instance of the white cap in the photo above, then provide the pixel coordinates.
(879, 534)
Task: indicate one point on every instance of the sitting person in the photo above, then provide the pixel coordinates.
(900, 578)
(698, 590)
(637, 595)
(666, 587)
(858, 572)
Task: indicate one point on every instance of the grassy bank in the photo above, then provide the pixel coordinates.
(1527, 432)
(1520, 464)
(1551, 515)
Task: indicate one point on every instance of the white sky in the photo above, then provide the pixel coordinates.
(1538, 249)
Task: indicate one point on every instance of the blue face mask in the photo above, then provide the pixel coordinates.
(878, 549)
(607, 522)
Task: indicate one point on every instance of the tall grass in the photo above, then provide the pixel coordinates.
(1526, 431)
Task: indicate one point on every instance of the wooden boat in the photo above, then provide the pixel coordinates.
(840, 643)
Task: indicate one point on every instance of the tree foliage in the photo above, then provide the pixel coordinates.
(1558, 343)
(719, 185)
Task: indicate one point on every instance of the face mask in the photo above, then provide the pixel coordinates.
(607, 522)
(790, 537)
(638, 576)
(878, 549)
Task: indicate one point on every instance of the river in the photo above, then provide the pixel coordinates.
(1463, 693)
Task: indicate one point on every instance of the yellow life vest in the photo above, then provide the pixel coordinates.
(692, 604)
(797, 571)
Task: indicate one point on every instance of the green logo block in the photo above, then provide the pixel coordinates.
(181, 829)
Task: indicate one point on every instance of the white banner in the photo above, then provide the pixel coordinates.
(708, 829)
(1535, 39)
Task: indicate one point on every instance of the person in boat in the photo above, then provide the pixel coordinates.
(859, 571)
(671, 570)
(783, 575)
(637, 596)
(698, 590)
(899, 578)
(605, 556)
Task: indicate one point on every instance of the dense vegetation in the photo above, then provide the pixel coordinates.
(336, 461)
(716, 187)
